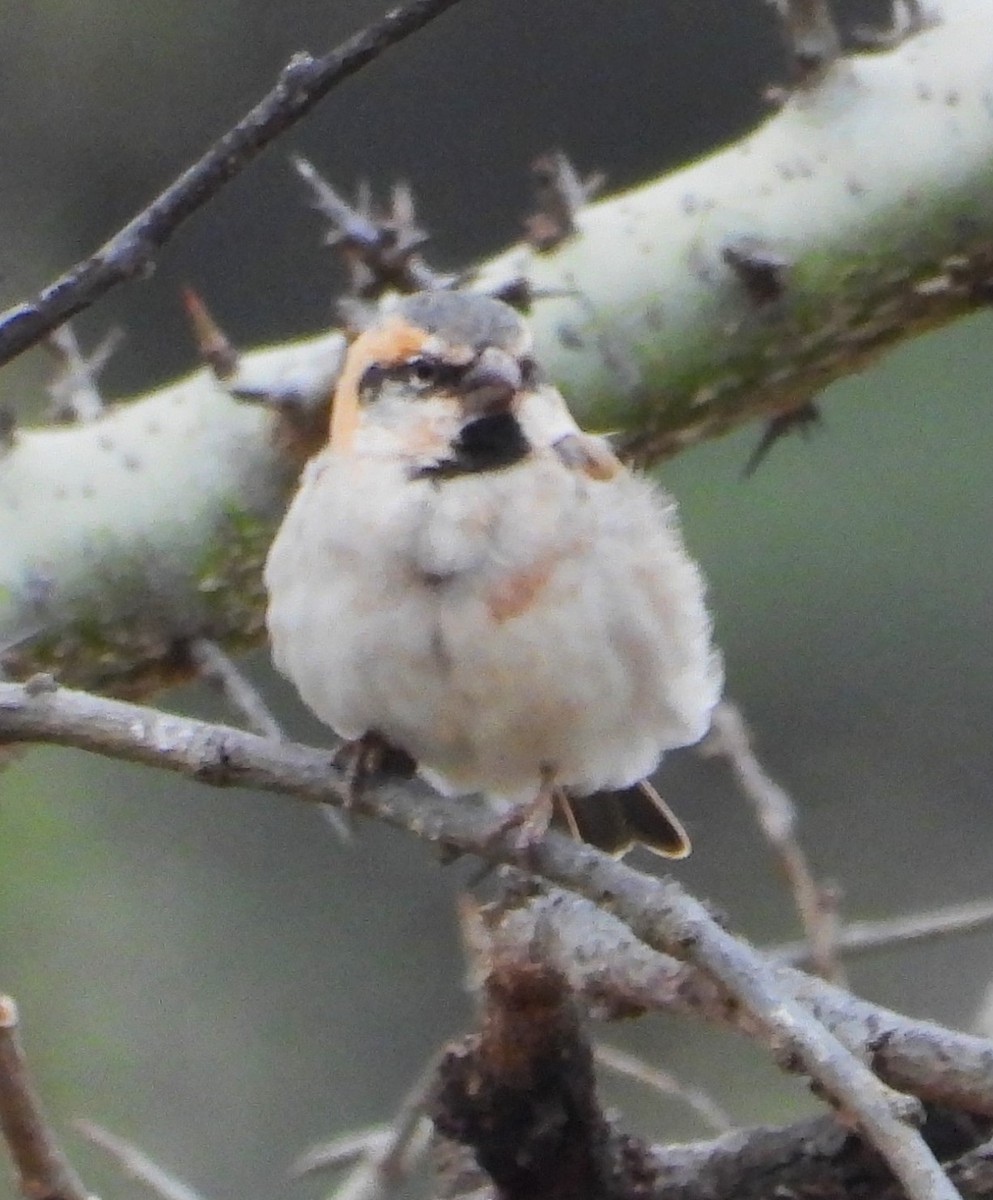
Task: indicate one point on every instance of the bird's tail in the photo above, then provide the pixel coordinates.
(616, 821)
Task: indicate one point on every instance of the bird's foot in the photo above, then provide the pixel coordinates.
(367, 756)
(526, 824)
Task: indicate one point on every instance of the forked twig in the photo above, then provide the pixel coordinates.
(380, 250)
(74, 392)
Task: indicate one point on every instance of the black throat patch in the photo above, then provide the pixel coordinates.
(489, 443)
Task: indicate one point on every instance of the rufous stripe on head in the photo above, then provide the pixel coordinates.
(392, 341)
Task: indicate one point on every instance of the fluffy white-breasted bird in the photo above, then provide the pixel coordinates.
(467, 577)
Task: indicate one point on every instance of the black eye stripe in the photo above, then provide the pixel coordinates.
(421, 368)
(425, 370)
(372, 378)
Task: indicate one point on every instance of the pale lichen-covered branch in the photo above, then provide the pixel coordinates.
(127, 538)
(858, 214)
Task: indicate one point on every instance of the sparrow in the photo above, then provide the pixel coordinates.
(468, 580)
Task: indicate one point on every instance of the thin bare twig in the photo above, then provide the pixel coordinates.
(632, 1067)
(863, 937)
(777, 817)
(129, 253)
(219, 669)
(340, 1151)
(43, 1171)
(386, 1154)
(657, 911)
(136, 1164)
(408, 1124)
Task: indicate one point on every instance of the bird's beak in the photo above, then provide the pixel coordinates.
(491, 383)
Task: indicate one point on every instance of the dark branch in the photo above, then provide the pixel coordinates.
(130, 253)
(522, 1091)
(42, 1170)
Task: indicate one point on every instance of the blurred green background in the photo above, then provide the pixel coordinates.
(211, 974)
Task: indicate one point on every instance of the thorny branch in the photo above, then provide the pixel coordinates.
(658, 913)
(811, 36)
(129, 254)
(380, 251)
(736, 287)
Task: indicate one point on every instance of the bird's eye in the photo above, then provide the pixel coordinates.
(424, 370)
(372, 378)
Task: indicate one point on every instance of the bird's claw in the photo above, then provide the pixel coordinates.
(367, 756)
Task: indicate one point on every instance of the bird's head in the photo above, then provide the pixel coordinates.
(444, 376)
